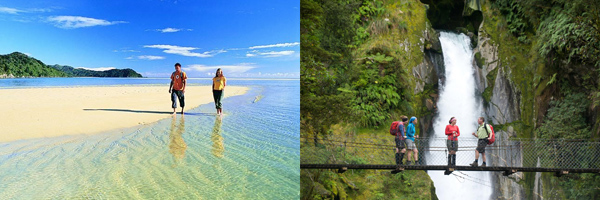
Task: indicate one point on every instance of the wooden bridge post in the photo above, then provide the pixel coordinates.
(398, 170)
(561, 172)
(509, 172)
(449, 171)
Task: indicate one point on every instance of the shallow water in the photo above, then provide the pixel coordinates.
(251, 153)
(78, 81)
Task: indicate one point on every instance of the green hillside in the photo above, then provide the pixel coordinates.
(16, 65)
(78, 72)
(20, 65)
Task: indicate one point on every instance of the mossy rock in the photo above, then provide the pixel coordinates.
(479, 60)
(321, 191)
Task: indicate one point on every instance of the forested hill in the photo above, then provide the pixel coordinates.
(78, 72)
(20, 65)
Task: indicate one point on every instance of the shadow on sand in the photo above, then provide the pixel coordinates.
(149, 111)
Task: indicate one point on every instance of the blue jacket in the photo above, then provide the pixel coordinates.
(410, 130)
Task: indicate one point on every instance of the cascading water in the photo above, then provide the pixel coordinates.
(458, 99)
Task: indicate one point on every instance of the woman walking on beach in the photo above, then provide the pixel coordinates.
(452, 132)
(219, 83)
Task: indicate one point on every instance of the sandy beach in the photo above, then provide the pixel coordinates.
(50, 112)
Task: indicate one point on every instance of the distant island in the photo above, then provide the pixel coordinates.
(17, 65)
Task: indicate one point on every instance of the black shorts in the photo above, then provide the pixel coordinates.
(399, 143)
(481, 144)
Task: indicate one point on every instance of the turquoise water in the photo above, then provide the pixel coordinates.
(67, 82)
(250, 153)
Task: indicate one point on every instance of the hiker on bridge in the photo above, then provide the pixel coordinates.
(483, 136)
(410, 140)
(400, 136)
(452, 132)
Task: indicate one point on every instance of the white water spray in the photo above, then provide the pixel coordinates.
(457, 99)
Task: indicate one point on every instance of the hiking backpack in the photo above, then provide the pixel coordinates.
(394, 128)
(491, 141)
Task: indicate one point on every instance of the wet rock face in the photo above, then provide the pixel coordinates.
(427, 72)
(432, 66)
(505, 100)
(486, 59)
(504, 107)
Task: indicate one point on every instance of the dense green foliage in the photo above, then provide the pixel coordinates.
(337, 83)
(564, 29)
(78, 72)
(354, 74)
(20, 65)
(561, 41)
(379, 88)
(566, 119)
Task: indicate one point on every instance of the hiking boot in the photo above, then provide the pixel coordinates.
(474, 164)
(483, 165)
(453, 160)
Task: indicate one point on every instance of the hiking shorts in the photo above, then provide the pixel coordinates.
(217, 96)
(177, 94)
(481, 144)
(399, 143)
(410, 145)
(452, 145)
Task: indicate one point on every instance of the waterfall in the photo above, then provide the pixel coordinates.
(458, 99)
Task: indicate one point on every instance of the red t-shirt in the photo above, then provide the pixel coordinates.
(450, 129)
(178, 78)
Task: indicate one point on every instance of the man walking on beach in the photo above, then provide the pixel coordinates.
(177, 87)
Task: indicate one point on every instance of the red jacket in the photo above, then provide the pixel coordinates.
(450, 129)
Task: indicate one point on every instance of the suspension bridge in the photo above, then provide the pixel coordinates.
(506, 156)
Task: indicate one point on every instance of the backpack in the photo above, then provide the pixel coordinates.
(491, 141)
(394, 128)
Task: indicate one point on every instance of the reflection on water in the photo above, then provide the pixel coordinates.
(177, 145)
(217, 139)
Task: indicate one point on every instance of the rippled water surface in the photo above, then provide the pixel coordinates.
(252, 152)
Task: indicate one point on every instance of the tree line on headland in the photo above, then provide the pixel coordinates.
(16, 65)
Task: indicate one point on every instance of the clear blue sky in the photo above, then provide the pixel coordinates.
(245, 38)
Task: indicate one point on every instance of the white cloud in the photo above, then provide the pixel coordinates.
(147, 57)
(10, 10)
(185, 51)
(276, 45)
(97, 69)
(31, 10)
(234, 69)
(169, 30)
(42, 10)
(269, 54)
(71, 22)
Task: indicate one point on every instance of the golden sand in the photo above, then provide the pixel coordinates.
(50, 112)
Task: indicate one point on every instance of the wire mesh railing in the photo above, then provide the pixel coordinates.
(380, 150)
